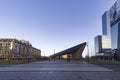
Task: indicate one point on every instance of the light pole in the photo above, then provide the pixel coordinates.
(88, 51)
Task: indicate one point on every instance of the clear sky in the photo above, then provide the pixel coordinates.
(53, 24)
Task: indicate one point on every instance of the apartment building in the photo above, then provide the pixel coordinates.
(17, 49)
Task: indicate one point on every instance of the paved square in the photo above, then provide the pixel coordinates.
(57, 70)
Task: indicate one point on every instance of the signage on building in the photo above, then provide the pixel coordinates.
(115, 11)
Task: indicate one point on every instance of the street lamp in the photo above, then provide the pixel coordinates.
(88, 51)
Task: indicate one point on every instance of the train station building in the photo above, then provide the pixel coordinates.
(73, 53)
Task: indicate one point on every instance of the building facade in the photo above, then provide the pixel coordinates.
(17, 49)
(106, 23)
(73, 53)
(115, 36)
(115, 25)
(102, 44)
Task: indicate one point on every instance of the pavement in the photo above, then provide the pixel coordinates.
(57, 70)
(115, 67)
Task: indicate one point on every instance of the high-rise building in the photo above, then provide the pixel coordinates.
(106, 23)
(115, 25)
(102, 43)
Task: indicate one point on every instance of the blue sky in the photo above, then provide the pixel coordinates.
(53, 24)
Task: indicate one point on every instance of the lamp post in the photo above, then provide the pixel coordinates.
(54, 55)
(88, 51)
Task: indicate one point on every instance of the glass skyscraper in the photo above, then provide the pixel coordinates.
(106, 23)
(114, 36)
(102, 43)
(115, 25)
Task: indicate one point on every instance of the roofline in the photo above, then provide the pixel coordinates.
(68, 50)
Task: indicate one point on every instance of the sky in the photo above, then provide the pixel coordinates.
(53, 25)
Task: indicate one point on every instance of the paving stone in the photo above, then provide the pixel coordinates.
(57, 70)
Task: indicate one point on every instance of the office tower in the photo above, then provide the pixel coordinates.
(106, 23)
(115, 25)
(102, 44)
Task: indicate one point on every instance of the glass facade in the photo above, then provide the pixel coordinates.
(114, 36)
(97, 44)
(106, 23)
(102, 43)
(115, 11)
(106, 42)
(115, 28)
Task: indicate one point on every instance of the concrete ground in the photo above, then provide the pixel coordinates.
(57, 70)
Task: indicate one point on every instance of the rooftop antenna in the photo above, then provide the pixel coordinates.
(15, 36)
(9, 36)
(54, 51)
(23, 36)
